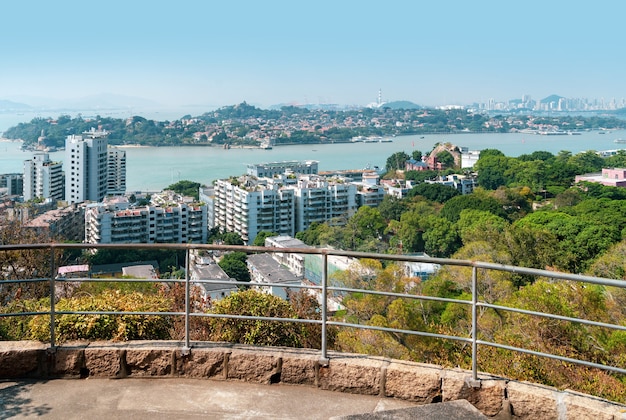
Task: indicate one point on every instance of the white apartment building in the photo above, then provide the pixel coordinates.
(116, 222)
(269, 170)
(116, 171)
(462, 183)
(43, 178)
(86, 167)
(319, 199)
(284, 204)
(248, 206)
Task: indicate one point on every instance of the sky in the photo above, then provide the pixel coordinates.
(218, 53)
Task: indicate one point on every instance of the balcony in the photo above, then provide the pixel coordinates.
(318, 364)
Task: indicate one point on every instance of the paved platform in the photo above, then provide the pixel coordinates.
(172, 398)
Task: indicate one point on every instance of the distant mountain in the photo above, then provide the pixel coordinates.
(402, 105)
(91, 102)
(551, 98)
(13, 106)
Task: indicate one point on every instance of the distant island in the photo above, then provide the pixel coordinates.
(249, 126)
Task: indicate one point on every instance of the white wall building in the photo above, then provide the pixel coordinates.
(116, 171)
(284, 204)
(118, 223)
(268, 170)
(43, 178)
(86, 167)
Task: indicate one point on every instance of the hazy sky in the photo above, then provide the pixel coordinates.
(220, 53)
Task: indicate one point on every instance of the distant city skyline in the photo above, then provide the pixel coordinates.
(195, 53)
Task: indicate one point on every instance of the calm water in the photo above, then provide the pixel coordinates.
(152, 168)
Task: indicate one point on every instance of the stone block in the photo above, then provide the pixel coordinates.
(582, 407)
(149, 361)
(68, 361)
(530, 401)
(413, 382)
(104, 362)
(298, 370)
(488, 397)
(201, 363)
(20, 358)
(253, 366)
(357, 375)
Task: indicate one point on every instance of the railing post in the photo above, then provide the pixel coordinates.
(187, 347)
(52, 298)
(324, 357)
(475, 382)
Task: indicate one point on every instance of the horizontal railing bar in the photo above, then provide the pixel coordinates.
(399, 295)
(30, 280)
(2, 315)
(119, 313)
(553, 356)
(393, 330)
(553, 316)
(255, 318)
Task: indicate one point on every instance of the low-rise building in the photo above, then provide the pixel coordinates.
(611, 177)
(462, 183)
(265, 269)
(67, 223)
(205, 268)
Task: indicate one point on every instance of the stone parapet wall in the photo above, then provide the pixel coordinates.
(495, 397)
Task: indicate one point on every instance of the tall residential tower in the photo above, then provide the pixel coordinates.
(43, 178)
(92, 170)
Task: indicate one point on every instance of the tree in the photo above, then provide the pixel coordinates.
(259, 333)
(232, 238)
(416, 155)
(446, 159)
(391, 208)
(187, 188)
(24, 264)
(434, 192)
(234, 264)
(452, 208)
(491, 171)
(261, 236)
(397, 161)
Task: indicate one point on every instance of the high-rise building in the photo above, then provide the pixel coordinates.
(174, 222)
(254, 206)
(116, 171)
(43, 178)
(11, 184)
(86, 167)
(284, 204)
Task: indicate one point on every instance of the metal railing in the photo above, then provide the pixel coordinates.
(324, 289)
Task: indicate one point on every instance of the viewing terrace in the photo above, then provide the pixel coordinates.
(393, 383)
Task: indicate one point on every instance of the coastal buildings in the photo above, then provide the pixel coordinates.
(114, 221)
(268, 170)
(43, 178)
(116, 171)
(612, 177)
(89, 175)
(66, 222)
(11, 184)
(85, 167)
(284, 204)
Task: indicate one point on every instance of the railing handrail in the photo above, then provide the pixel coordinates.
(324, 288)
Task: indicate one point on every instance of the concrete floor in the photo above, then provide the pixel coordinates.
(173, 398)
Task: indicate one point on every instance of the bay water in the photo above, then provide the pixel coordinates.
(153, 168)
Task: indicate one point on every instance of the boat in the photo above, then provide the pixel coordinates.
(620, 140)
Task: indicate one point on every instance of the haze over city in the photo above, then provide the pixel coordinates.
(195, 53)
